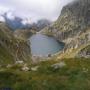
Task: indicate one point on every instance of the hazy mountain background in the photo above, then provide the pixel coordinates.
(16, 22)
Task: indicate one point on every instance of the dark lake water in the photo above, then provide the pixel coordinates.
(42, 45)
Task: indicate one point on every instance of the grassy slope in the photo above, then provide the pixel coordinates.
(74, 76)
(5, 56)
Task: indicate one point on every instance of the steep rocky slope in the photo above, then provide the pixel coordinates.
(11, 48)
(72, 26)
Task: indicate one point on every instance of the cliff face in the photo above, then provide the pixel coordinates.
(11, 48)
(73, 25)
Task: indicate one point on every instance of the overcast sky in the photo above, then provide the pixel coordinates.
(34, 9)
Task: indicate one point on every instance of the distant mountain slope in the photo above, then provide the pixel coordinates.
(24, 34)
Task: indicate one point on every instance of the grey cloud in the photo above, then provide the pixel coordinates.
(36, 9)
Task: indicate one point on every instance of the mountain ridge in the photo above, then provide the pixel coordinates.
(72, 25)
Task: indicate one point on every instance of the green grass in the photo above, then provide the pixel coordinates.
(5, 56)
(71, 77)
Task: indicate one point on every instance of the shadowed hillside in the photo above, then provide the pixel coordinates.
(11, 48)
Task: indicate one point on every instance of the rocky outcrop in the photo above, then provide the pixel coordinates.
(58, 65)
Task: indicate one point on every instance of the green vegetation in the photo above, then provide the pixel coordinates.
(74, 76)
(5, 56)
